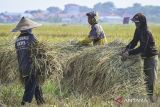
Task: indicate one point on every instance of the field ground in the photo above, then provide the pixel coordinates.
(11, 93)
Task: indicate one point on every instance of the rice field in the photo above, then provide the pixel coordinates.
(58, 36)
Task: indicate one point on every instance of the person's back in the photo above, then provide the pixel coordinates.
(97, 34)
(23, 43)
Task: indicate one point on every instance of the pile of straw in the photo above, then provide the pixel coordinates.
(101, 71)
(8, 60)
(65, 51)
(48, 60)
(8, 65)
(82, 70)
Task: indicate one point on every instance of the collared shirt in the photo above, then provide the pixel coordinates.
(96, 32)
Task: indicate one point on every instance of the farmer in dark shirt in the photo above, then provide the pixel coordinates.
(96, 34)
(147, 49)
(23, 44)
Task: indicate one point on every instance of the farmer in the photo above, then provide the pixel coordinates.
(96, 35)
(23, 43)
(147, 49)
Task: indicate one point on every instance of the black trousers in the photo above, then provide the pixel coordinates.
(150, 70)
(32, 88)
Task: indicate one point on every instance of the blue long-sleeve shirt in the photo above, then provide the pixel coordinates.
(22, 45)
(96, 32)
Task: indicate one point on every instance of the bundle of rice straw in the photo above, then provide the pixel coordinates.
(8, 65)
(50, 60)
(44, 64)
(100, 71)
(8, 59)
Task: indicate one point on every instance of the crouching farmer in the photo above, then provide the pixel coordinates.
(147, 49)
(96, 34)
(23, 44)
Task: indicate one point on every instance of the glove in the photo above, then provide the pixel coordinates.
(125, 55)
(86, 41)
(124, 50)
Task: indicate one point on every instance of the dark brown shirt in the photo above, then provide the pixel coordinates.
(147, 46)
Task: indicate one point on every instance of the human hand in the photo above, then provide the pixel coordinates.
(125, 55)
(124, 49)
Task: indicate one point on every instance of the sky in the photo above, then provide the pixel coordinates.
(22, 5)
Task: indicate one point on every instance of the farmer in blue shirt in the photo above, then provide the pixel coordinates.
(22, 45)
(96, 34)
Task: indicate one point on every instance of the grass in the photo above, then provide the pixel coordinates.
(11, 93)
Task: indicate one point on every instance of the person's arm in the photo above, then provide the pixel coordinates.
(91, 36)
(135, 51)
(33, 39)
(143, 46)
(86, 41)
(134, 41)
(33, 43)
(148, 38)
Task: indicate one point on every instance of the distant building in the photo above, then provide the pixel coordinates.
(9, 17)
(111, 19)
(126, 20)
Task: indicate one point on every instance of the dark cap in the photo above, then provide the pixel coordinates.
(92, 14)
(136, 18)
(140, 18)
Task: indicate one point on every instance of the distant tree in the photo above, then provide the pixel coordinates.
(53, 10)
(97, 6)
(105, 8)
(137, 5)
(85, 9)
(108, 5)
(55, 19)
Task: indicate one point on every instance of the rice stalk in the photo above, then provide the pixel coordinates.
(100, 71)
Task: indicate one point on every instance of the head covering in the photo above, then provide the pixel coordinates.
(29, 31)
(92, 14)
(135, 19)
(140, 18)
(25, 24)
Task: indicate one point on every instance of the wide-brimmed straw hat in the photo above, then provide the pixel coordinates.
(25, 24)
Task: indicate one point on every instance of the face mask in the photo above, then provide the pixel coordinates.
(27, 31)
(92, 21)
(137, 25)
